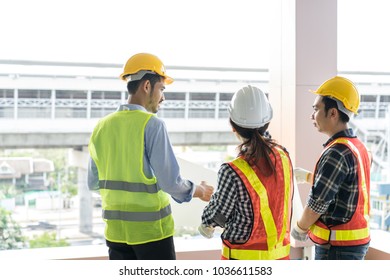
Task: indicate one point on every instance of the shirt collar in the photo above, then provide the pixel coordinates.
(344, 133)
(130, 107)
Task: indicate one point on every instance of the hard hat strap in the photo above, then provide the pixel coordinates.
(342, 108)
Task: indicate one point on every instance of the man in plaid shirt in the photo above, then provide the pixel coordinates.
(337, 210)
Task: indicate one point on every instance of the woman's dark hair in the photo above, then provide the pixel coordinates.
(331, 103)
(256, 146)
(132, 86)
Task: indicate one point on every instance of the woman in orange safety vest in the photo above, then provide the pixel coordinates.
(254, 196)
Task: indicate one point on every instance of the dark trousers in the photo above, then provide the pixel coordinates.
(157, 250)
(327, 252)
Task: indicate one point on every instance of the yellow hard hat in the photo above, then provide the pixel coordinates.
(148, 63)
(343, 90)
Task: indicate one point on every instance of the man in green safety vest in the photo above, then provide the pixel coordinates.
(133, 166)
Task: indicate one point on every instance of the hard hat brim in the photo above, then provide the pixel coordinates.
(168, 80)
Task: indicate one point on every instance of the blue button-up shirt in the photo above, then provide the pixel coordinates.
(159, 161)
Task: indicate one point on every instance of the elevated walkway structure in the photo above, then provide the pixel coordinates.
(57, 104)
(52, 104)
(75, 133)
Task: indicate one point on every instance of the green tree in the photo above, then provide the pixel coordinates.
(10, 233)
(7, 191)
(47, 239)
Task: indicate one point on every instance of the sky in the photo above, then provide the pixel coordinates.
(215, 33)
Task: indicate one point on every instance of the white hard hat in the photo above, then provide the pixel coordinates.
(250, 108)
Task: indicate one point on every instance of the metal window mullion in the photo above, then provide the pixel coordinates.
(187, 105)
(89, 97)
(53, 104)
(16, 94)
(123, 97)
(377, 107)
(216, 113)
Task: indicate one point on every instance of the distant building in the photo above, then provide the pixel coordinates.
(25, 173)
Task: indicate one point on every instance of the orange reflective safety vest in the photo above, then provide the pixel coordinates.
(357, 230)
(271, 204)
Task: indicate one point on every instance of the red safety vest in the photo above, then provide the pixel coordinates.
(357, 230)
(271, 204)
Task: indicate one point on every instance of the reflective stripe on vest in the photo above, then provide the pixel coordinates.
(321, 234)
(339, 235)
(126, 186)
(362, 173)
(137, 216)
(242, 254)
(135, 209)
(276, 249)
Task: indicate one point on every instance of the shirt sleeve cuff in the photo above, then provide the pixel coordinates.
(316, 206)
(188, 197)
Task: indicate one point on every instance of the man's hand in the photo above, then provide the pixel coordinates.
(302, 175)
(299, 234)
(204, 191)
(206, 231)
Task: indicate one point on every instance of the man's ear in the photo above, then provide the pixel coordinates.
(334, 112)
(146, 85)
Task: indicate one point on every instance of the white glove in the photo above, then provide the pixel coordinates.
(206, 231)
(301, 175)
(299, 234)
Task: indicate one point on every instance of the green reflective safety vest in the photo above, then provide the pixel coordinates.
(135, 209)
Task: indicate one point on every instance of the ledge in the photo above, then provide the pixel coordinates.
(186, 249)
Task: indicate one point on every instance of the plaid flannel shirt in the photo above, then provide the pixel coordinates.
(335, 190)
